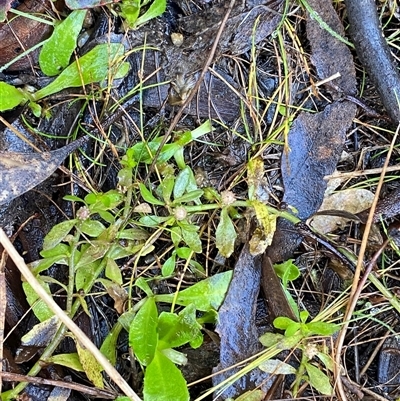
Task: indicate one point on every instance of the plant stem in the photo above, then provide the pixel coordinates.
(300, 373)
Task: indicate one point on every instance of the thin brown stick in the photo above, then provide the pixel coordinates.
(79, 334)
(359, 173)
(96, 392)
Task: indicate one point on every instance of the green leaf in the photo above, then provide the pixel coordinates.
(73, 198)
(113, 271)
(176, 330)
(205, 295)
(203, 129)
(110, 199)
(163, 381)
(59, 254)
(178, 358)
(287, 271)
(10, 97)
(94, 66)
(322, 328)
(58, 233)
(93, 228)
(126, 319)
(84, 275)
(142, 152)
(144, 286)
(181, 183)
(191, 238)
(125, 176)
(148, 196)
(58, 250)
(143, 332)
(189, 197)
(270, 339)
(130, 10)
(304, 316)
(225, 234)
(169, 266)
(69, 360)
(326, 360)
(156, 8)
(184, 252)
(277, 367)
(290, 342)
(39, 308)
(319, 380)
(166, 187)
(56, 52)
(293, 328)
(292, 303)
(90, 365)
(36, 109)
(167, 152)
(176, 235)
(133, 234)
(94, 252)
(153, 221)
(282, 322)
(107, 216)
(43, 264)
(252, 395)
(109, 346)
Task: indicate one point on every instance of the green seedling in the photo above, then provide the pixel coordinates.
(134, 12)
(101, 62)
(308, 371)
(303, 332)
(106, 229)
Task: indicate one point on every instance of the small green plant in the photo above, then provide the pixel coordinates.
(102, 61)
(153, 336)
(303, 332)
(138, 12)
(105, 229)
(298, 335)
(307, 371)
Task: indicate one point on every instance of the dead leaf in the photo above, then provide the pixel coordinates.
(5, 5)
(328, 54)
(351, 200)
(315, 142)
(36, 339)
(89, 363)
(387, 207)
(236, 325)
(59, 394)
(20, 172)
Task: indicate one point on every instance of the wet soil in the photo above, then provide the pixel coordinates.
(324, 124)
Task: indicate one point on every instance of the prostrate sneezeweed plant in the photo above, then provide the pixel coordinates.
(153, 336)
(106, 229)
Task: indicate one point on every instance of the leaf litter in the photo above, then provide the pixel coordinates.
(20, 172)
(320, 153)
